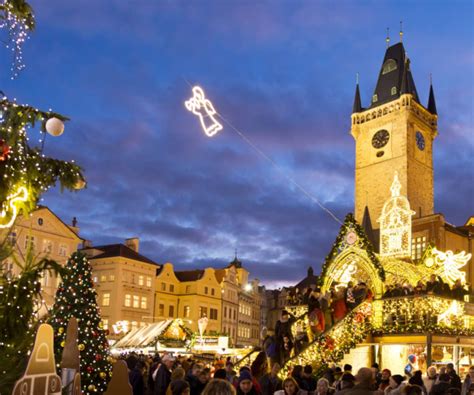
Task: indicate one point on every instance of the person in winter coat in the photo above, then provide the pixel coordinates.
(385, 379)
(455, 380)
(417, 379)
(152, 374)
(442, 386)
(177, 374)
(135, 377)
(468, 385)
(395, 386)
(219, 387)
(179, 387)
(309, 382)
(282, 330)
(270, 382)
(193, 379)
(290, 387)
(163, 376)
(430, 379)
(245, 384)
(364, 381)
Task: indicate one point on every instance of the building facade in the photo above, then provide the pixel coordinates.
(230, 290)
(125, 285)
(49, 237)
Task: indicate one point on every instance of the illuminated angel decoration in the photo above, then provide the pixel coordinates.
(455, 310)
(449, 264)
(395, 224)
(120, 327)
(10, 209)
(203, 108)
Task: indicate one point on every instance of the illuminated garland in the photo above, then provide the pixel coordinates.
(332, 345)
(351, 225)
(76, 297)
(17, 17)
(26, 168)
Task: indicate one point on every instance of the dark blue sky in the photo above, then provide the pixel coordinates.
(283, 72)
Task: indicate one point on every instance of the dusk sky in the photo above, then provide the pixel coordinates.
(282, 72)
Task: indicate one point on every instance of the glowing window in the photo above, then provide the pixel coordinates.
(112, 277)
(375, 98)
(140, 280)
(47, 246)
(134, 325)
(136, 301)
(128, 300)
(63, 250)
(144, 302)
(187, 311)
(106, 299)
(103, 278)
(148, 282)
(105, 324)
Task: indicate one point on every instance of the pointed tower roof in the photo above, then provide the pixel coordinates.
(431, 102)
(395, 73)
(357, 107)
(367, 226)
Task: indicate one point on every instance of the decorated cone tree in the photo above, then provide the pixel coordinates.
(76, 297)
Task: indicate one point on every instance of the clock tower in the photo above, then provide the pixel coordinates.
(394, 133)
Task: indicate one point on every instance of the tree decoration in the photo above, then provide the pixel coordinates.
(16, 16)
(27, 167)
(395, 224)
(76, 297)
(4, 150)
(19, 311)
(203, 108)
(54, 126)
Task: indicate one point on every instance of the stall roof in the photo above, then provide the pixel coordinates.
(147, 336)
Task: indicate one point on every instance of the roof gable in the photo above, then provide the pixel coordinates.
(120, 250)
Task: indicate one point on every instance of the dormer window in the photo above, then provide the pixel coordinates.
(394, 90)
(389, 66)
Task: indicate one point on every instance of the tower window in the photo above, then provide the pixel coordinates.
(394, 90)
(389, 66)
(375, 98)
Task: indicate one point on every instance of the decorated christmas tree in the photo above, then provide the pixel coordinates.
(76, 297)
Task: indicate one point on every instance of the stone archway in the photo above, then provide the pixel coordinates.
(353, 264)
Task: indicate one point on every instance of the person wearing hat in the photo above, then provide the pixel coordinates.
(245, 384)
(282, 329)
(395, 386)
(163, 376)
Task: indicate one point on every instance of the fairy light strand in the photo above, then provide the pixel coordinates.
(275, 165)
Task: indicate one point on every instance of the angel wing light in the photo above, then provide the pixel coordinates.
(449, 265)
(203, 108)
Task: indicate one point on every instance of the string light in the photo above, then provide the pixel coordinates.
(203, 108)
(10, 204)
(18, 27)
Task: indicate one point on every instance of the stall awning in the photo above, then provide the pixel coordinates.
(149, 335)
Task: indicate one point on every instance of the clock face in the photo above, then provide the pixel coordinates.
(380, 139)
(420, 141)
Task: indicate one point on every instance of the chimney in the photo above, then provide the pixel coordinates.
(133, 243)
(87, 244)
(74, 226)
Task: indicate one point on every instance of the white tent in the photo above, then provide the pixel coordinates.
(148, 335)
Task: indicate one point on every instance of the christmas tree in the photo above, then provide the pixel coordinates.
(76, 297)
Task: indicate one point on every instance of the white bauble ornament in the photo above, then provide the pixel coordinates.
(54, 126)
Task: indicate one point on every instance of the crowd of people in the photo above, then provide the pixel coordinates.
(167, 375)
(434, 286)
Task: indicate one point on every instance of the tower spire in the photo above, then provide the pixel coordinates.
(431, 100)
(401, 31)
(357, 107)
